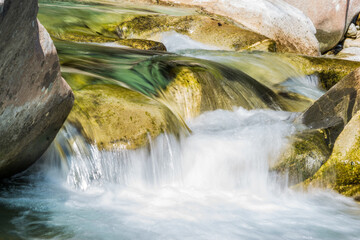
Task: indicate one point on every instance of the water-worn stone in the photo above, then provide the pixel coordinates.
(331, 18)
(329, 70)
(306, 152)
(275, 19)
(300, 26)
(111, 117)
(208, 30)
(352, 31)
(336, 108)
(350, 53)
(342, 171)
(34, 99)
(352, 43)
(196, 89)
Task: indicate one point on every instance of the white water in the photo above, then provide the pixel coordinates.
(214, 184)
(175, 42)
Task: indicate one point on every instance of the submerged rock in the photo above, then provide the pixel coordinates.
(93, 38)
(342, 171)
(306, 152)
(34, 99)
(329, 70)
(208, 30)
(111, 116)
(196, 89)
(336, 108)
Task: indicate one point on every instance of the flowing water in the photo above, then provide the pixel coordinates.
(214, 183)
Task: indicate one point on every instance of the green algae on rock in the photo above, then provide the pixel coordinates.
(196, 89)
(342, 171)
(306, 152)
(329, 70)
(115, 117)
(205, 29)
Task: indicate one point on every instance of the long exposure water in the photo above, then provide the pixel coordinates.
(212, 183)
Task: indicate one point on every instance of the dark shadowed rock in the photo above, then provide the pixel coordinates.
(34, 99)
(336, 108)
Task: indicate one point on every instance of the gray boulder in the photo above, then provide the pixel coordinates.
(34, 99)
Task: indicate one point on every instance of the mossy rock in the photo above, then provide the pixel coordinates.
(342, 171)
(205, 29)
(196, 89)
(97, 38)
(111, 116)
(329, 70)
(306, 152)
(335, 108)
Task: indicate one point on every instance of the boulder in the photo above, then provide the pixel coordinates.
(196, 89)
(331, 18)
(34, 99)
(300, 26)
(342, 171)
(285, 24)
(113, 117)
(335, 108)
(207, 30)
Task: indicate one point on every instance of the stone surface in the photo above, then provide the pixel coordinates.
(350, 53)
(342, 171)
(328, 17)
(112, 117)
(306, 152)
(335, 108)
(351, 31)
(207, 30)
(352, 43)
(34, 99)
(300, 26)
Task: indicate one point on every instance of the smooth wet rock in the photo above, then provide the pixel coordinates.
(113, 117)
(335, 108)
(342, 171)
(331, 18)
(305, 153)
(204, 29)
(195, 89)
(34, 99)
(142, 44)
(292, 30)
(329, 70)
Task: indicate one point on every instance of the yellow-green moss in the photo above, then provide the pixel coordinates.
(304, 155)
(184, 93)
(113, 116)
(329, 70)
(342, 171)
(208, 30)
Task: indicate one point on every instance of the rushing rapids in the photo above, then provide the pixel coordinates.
(210, 179)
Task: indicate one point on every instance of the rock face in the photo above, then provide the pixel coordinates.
(331, 18)
(34, 99)
(288, 26)
(342, 171)
(300, 26)
(115, 117)
(336, 108)
(306, 152)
